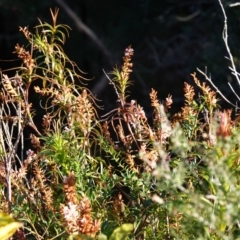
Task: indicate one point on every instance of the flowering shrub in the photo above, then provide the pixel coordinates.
(115, 176)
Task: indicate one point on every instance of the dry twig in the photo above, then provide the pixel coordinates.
(232, 68)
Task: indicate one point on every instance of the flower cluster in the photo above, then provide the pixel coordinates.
(77, 213)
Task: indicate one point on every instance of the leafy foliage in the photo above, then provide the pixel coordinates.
(118, 176)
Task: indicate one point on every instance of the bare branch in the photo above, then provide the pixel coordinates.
(225, 39)
(215, 87)
(229, 84)
(82, 27)
(230, 58)
(234, 4)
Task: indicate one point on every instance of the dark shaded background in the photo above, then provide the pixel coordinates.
(171, 38)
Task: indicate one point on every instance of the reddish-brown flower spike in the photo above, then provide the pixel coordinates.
(70, 189)
(225, 126)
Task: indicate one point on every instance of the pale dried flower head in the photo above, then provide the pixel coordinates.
(70, 212)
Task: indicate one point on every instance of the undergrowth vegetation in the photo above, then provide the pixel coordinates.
(117, 176)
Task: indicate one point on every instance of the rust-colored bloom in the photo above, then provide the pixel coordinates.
(225, 126)
(76, 213)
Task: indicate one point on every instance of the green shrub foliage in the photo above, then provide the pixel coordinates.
(116, 176)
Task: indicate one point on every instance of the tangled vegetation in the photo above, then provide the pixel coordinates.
(116, 176)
